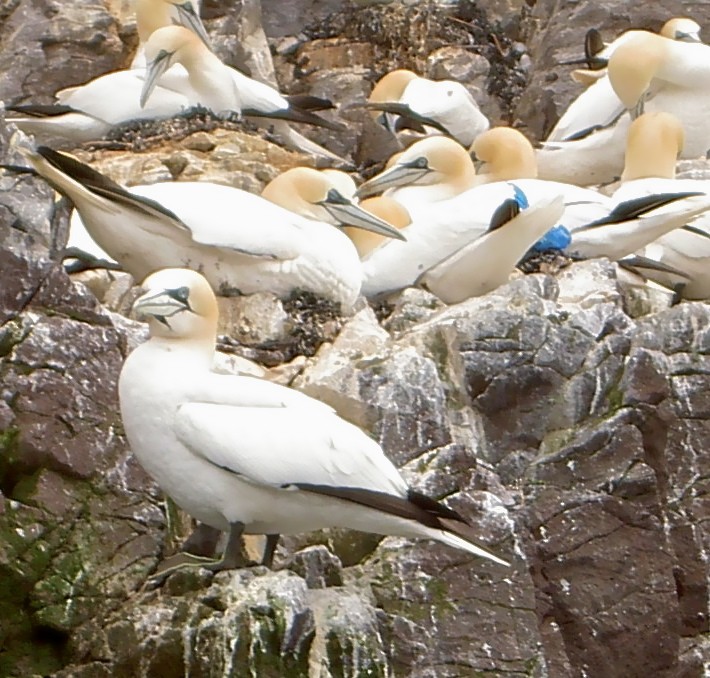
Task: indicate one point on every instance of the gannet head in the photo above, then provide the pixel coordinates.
(654, 142)
(154, 14)
(317, 195)
(178, 304)
(166, 46)
(385, 208)
(389, 88)
(434, 160)
(634, 64)
(507, 153)
(681, 28)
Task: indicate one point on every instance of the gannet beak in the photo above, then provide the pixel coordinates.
(155, 69)
(347, 212)
(191, 19)
(163, 304)
(687, 37)
(400, 174)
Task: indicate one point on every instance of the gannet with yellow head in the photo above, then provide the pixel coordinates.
(431, 172)
(440, 106)
(655, 142)
(242, 242)
(248, 456)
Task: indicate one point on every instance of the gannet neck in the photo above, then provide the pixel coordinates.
(682, 29)
(391, 86)
(634, 64)
(507, 153)
(653, 145)
(385, 208)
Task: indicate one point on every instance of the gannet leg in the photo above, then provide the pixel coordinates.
(232, 557)
(203, 541)
(272, 541)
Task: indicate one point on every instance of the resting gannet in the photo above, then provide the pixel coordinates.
(437, 106)
(655, 142)
(249, 456)
(426, 177)
(240, 241)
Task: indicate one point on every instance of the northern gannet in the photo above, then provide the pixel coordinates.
(240, 241)
(439, 106)
(212, 84)
(458, 250)
(385, 208)
(655, 142)
(248, 456)
(154, 14)
(431, 172)
(645, 69)
(598, 105)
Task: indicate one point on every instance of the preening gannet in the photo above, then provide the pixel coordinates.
(437, 106)
(240, 241)
(154, 14)
(249, 456)
(464, 246)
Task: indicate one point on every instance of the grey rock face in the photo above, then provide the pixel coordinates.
(570, 433)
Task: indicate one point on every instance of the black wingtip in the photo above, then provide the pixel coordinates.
(507, 210)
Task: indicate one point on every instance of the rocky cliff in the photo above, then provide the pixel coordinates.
(565, 415)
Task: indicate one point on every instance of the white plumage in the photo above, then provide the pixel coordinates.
(250, 456)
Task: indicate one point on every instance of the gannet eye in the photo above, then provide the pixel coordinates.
(181, 294)
(420, 163)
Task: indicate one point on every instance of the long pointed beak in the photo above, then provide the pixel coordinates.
(191, 19)
(153, 73)
(397, 175)
(347, 212)
(688, 37)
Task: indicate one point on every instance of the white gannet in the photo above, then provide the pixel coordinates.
(219, 87)
(647, 208)
(249, 456)
(598, 105)
(240, 241)
(432, 171)
(463, 246)
(439, 106)
(646, 72)
(655, 141)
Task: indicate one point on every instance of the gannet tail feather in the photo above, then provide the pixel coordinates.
(440, 522)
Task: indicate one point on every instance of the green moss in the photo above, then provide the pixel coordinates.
(9, 452)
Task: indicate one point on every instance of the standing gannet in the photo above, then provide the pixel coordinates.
(248, 456)
(439, 106)
(655, 142)
(213, 84)
(241, 242)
